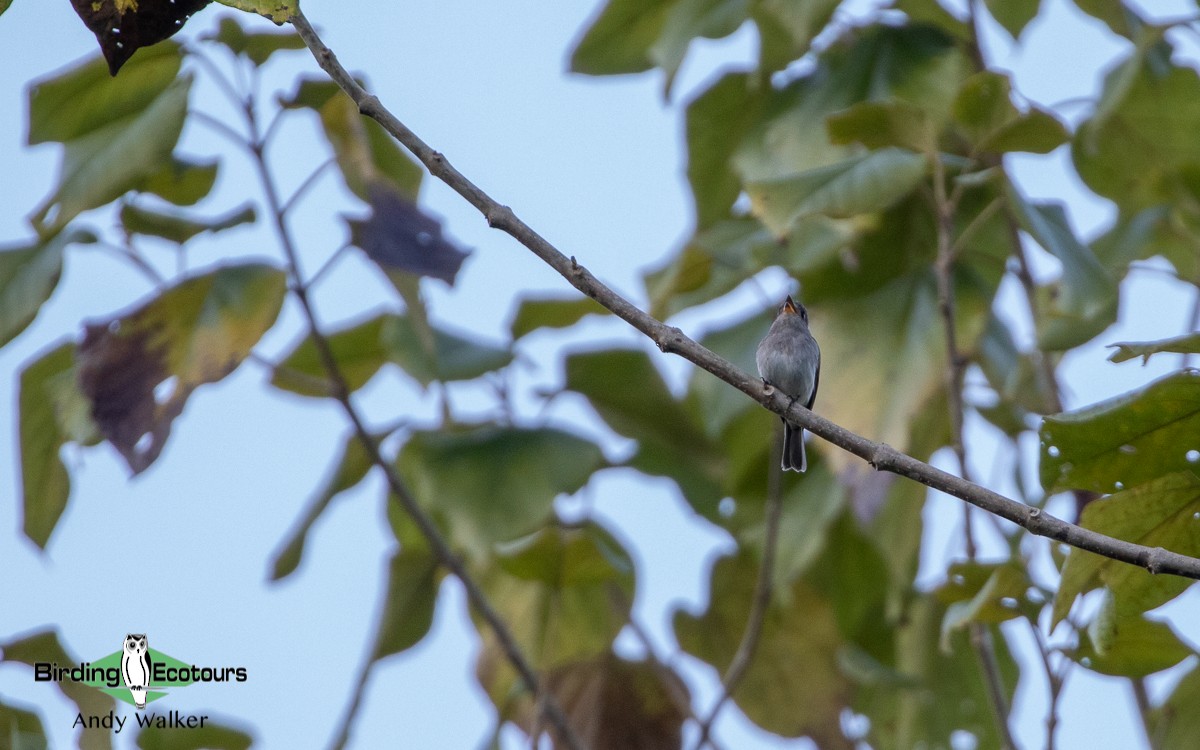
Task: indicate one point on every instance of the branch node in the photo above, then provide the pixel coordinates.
(883, 457)
(670, 340)
(1156, 560)
(369, 104)
(501, 217)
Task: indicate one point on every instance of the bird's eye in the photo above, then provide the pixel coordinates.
(804, 314)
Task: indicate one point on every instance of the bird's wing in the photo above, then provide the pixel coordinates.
(816, 382)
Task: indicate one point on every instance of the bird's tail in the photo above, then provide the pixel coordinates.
(793, 448)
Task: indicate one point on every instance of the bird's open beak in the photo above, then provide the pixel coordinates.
(789, 306)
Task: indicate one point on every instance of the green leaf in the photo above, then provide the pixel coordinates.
(211, 736)
(279, 11)
(454, 357)
(786, 29)
(862, 184)
(1189, 343)
(48, 393)
(552, 313)
(984, 109)
(366, 154)
(1124, 441)
(566, 591)
(352, 467)
(949, 697)
(22, 729)
(1176, 725)
(619, 39)
(717, 120)
(362, 349)
(3, 7)
(931, 13)
(1138, 149)
(794, 686)
(255, 47)
(86, 98)
(1013, 15)
(194, 333)
(1161, 513)
(413, 578)
(494, 484)
(176, 227)
(883, 124)
(180, 181)
(979, 593)
(44, 646)
(1136, 647)
(104, 163)
(670, 442)
(689, 19)
(28, 276)
(1084, 302)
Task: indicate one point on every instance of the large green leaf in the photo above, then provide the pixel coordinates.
(351, 468)
(176, 227)
(254, 46)
(44, 646)
(1134, 646)
(52, 412)
(867, 183)
(565, 591)
(1176, 724)
(28, 276)
(620, 37)
(279, 11)
(534, 313)
(691, 19)
(494, 484)
(103, 163)
(794, 686)
(671, 442)
(786, 29)
(22, 729)
(1160, 513)
(211, 736)
(363, 348)
(717, 120)
(1013, 15)
(932, 697)
(413, 579)
(87, 98)
(916, 65)
(367, 156)
(197, 332)
(1084, 302)
(1124, 441)
(984, 110)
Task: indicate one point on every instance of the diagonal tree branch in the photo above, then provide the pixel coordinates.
(671, 340)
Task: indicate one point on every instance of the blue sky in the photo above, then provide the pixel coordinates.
(595, 165)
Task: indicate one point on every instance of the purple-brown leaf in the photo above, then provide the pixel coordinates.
(399, 236)
(122, 27)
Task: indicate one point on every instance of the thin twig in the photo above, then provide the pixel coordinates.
(304, 186)
(670, 339)
(761, 602)
(956, 366)
(399, 490)
(1054, 682)
(1193, 325)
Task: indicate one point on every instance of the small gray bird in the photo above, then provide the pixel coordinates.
(789, 359)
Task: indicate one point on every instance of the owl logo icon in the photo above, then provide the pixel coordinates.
(135, 666)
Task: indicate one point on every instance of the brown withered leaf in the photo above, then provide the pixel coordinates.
(122, 27)
(399, 236)
(118, 371)
(611, 703)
